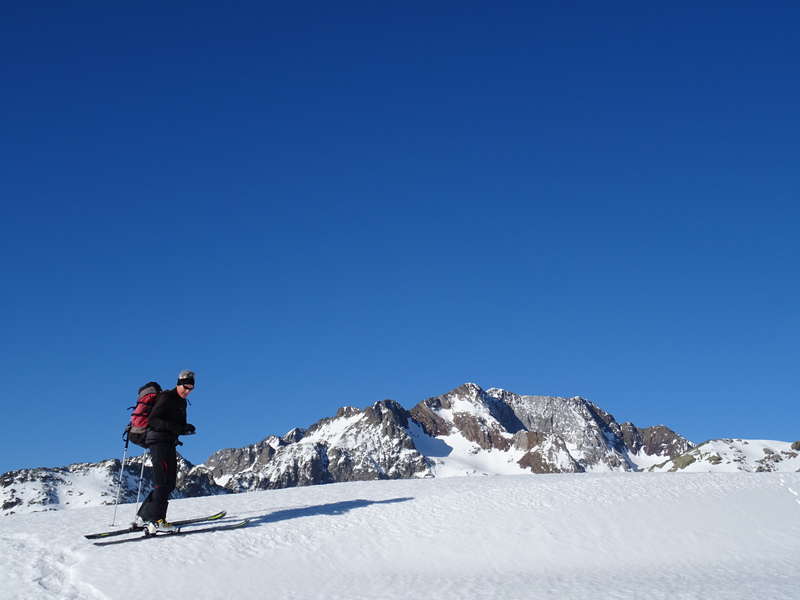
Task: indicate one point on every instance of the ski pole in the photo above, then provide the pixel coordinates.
(141, 478)
(119, 482)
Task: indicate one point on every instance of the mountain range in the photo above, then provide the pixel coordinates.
(467, 431)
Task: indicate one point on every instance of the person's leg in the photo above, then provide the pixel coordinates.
(171, 462)
(155, 505)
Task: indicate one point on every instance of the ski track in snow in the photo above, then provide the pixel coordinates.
(791, 491)
(571, 537)
(39, 571)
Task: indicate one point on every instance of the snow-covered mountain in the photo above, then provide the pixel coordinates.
(355, 445)
(753, 456)
(463, 432)
(467, 431)
(540, 434)
(92, 484)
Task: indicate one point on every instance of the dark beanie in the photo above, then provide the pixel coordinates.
(186, 378)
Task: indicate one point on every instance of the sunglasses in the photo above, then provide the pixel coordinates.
(188, 387)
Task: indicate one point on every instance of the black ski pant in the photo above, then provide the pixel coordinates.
(165, 471)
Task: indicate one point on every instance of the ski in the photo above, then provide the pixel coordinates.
(134, 528)
(180, 533)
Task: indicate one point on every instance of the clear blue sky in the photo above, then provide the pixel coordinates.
(337, 203)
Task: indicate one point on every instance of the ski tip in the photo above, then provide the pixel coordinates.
(104, 534)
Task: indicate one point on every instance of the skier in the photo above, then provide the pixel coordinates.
(167, 422)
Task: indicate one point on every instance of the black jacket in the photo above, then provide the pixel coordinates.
(167, 419)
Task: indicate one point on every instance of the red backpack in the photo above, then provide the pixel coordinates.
(137, 428)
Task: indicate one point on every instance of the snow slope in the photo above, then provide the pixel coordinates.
(706, 536)
(729, 455)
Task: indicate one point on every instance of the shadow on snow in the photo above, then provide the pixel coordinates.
(331, 509)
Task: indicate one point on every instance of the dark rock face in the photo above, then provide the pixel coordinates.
(592, 435)
(295, 435)
(475, 430)
(526, 440)
(772, 459)
(545, 453)
(475, 415)
(423, 413)
(198, 482)
(241, 459)
(8, 505)
(389, 417)
(310, 468)
(655, 441)
(383, 428)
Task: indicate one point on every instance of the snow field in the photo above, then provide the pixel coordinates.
(616, 536)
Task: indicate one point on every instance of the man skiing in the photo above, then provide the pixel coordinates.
(167, 422)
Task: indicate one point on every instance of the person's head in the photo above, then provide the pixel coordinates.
(185, 383)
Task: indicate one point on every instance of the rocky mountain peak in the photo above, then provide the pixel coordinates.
(347, 411)
(659, 440)
(293, 435)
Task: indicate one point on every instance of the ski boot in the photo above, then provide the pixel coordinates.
(160, 526)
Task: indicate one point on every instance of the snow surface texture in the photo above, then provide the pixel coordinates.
(612, 536)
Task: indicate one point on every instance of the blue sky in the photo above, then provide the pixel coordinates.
(338, 203)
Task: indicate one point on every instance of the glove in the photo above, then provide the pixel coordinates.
(189, 430)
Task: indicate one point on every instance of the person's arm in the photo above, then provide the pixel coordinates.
(158, 417)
